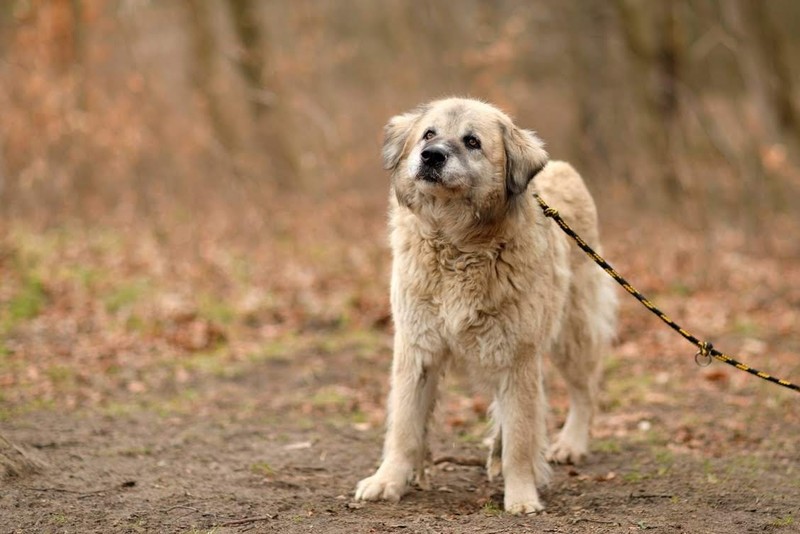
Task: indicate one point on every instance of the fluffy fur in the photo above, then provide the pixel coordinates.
(480, 275)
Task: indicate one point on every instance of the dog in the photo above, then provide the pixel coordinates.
(480, 275)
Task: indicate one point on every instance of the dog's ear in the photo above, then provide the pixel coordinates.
(525, 157)
(395, 136)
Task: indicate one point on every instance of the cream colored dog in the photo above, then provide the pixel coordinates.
(481, 275)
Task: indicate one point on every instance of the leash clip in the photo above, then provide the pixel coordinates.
(703, 356)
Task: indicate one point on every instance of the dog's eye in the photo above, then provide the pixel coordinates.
(472, 142)
(429, 134)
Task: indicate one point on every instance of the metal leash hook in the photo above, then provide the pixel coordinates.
(703, 357)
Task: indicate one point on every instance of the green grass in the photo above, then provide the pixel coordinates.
(85, 277)
(329, 397)
(627, 390)
(125, 295)
(135, 452)
(26, 304)
(262, 468)
(744, 326)
(60, 374)
(680, 289)
(216, 309)
(491, 508)
(608, 446)
(634, 477)
(213, 362)
(665, 460)
(782, 522)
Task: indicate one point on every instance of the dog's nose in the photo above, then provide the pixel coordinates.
(434, 157)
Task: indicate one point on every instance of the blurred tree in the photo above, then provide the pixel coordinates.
(6, 22)
(204, 49)
(79, 51)
(758, 47)
(767, 44)
(263, 93)
(250, 56)
(653, 38)
(592, 80)
(738, 19)
(95, 97)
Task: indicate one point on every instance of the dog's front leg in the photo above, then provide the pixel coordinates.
(521, 407)
(415, 374)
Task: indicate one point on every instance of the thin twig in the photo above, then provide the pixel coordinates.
(457, 460)
(600, 521)
(177, 506)
(82, 494)
(62, 490)
(247, 520)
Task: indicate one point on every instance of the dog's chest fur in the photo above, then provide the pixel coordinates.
(480, 301)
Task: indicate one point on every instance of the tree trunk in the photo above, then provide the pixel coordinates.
(590, 80)
(251, 58)
(203, 45)
(652, 40)
(269, 111)
(780, 87)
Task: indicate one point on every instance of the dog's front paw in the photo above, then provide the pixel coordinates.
(381, 487)
(567, 451)
(522, 498)
(530, 505)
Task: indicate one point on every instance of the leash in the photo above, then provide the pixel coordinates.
(706, 350)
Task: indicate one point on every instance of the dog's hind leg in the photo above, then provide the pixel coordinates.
(494, 463)
(586, 333)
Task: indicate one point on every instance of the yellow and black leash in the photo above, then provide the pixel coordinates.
(706, 350)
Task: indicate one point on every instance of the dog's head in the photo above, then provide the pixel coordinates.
(460, 149)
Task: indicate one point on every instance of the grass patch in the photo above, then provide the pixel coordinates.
(329, 397)
(85, 277)
(783, 522)
(125, 295)
(491, 508)
(608, 446)
(665, 461)
(26, 304)
(135, 452)
(216, 310)
(215, 363)
(627, 390)
(636, 475)
(262, 468)
(746, 327)
(121, 409)
(680, 289)
(60, 374)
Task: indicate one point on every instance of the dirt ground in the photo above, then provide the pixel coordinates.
(273, 446)
(215, 393)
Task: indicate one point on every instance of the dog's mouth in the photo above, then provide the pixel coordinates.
(431, 176)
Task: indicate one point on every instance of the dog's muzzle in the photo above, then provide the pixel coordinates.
(433, 159)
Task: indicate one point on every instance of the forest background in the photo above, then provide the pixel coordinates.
(191, 196)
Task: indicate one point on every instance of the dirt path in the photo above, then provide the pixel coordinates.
(275, 446)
